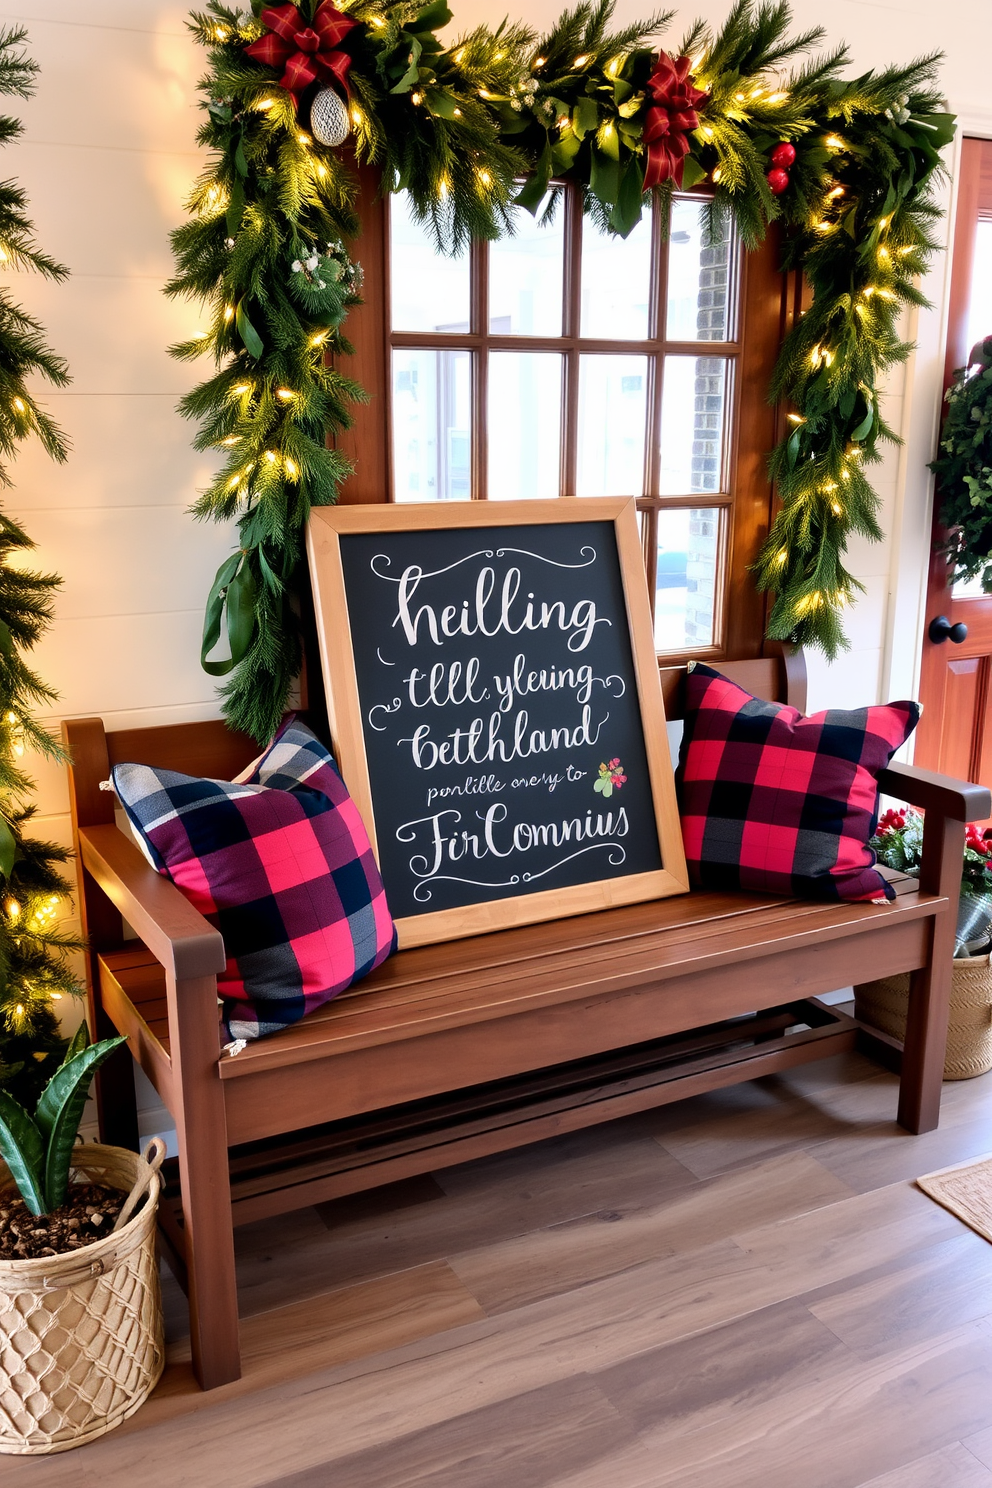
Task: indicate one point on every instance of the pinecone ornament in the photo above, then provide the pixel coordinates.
(329, 121)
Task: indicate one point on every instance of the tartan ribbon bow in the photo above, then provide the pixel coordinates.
(669, 119)
(307, 53)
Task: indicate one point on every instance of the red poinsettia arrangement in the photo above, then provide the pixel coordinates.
(898, 843)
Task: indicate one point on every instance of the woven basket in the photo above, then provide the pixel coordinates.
(81, 1341)
(883, 1005)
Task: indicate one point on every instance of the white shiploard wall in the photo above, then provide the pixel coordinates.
(107, 157)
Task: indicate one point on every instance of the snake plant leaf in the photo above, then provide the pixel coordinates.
(80, 1040)
(23, 1150)
(60, 1110)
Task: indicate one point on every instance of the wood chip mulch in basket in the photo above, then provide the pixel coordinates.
(88, 1215)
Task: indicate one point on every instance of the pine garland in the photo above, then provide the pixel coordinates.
(457, 127)
(33, 968)
(861, 249)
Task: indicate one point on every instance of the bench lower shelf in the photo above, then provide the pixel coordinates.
(287, 1173)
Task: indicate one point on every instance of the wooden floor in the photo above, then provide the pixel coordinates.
(741, 1291)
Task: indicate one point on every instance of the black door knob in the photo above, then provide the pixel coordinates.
(940, 629)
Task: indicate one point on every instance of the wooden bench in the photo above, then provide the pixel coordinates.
(452, 1051)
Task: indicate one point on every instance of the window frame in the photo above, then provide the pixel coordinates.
(768, 301)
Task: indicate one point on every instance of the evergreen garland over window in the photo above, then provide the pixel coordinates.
(847, 166)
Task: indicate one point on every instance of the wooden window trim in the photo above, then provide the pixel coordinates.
(769, 301)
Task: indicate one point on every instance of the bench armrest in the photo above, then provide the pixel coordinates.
(957, 799)
(176, 934)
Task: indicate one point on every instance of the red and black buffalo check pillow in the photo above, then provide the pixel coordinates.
(777, 803)
(279, 860)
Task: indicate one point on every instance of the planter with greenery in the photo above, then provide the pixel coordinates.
(883, 1004)
(81, 1341)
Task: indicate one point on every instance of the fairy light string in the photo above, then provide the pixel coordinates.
(459, 126)
(36, 934)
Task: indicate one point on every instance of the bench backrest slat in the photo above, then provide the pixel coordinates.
(777, 679)
(210, 749)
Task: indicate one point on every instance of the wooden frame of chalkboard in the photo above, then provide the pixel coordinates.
(495, 708)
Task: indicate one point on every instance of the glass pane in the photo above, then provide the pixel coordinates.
(968, 588)
(612, 405)
(429, 292)
(616, 279)
(685, 584)
(526, 277)
(524, 425)
(693, 418)
(980, 300)
(700, 277)
(432, 425)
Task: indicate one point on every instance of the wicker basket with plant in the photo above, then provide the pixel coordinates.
(882, 1004)
(80, 1312)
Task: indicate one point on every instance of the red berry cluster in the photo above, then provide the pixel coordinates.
(783, 156)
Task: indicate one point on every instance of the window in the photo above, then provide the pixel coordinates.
(565, 363)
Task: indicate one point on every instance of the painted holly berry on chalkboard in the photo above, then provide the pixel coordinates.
(611, 777)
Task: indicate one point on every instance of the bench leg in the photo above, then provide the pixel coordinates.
(201, 1128)
(930, 987)
(923, 1051)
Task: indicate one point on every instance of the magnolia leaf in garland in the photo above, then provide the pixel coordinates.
(232, 595)
(8, 849)
(248, 333)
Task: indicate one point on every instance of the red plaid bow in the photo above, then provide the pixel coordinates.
(669, 120)
(307, 53)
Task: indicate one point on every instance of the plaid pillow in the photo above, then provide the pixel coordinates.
(777, 803)
(280, 862)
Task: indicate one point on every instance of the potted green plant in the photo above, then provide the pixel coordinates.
(898, 843)
(81, 1342)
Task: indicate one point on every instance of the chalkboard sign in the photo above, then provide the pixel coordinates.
(495, 708)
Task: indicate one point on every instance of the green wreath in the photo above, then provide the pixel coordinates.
(848, 167)
(963, 468)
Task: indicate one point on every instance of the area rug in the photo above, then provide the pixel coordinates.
(966, 1191)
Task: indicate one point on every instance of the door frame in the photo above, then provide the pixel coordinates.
(976, 614)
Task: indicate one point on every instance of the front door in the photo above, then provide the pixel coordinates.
(955, 732)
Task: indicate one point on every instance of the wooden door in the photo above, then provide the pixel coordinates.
(955, 733)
